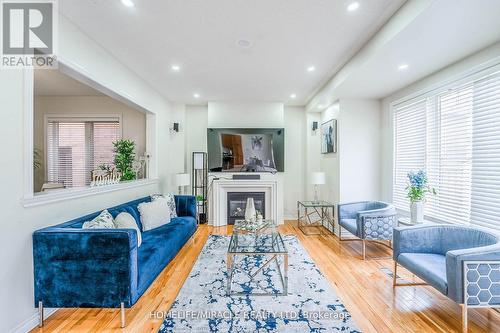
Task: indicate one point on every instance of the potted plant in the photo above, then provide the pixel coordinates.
(417, 190)
(124, 157)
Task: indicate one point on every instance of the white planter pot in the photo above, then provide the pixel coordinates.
(417, 212)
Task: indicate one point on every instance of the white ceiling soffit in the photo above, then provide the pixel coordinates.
(426, 35)
(55, 83)
(232, 50)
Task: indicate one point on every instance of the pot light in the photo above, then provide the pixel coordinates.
(311, 69)
(128, 3)
(292, 96)
(320, 106)
(403, 67)
(175, 68)
(196, 95)
(353, 6)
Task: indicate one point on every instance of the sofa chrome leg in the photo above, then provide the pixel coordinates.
(40, 314)
(122, 314)
(364, 249)
(395, 274)
(464, 318)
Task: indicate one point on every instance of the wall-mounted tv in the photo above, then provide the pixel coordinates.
(246, 149)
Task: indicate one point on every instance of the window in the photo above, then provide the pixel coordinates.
(75, 147)
(455, 135)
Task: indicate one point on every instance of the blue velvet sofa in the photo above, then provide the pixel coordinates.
(75, 267)
(369, 221)
(461, 262)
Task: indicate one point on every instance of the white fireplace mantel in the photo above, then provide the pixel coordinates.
(218, 197)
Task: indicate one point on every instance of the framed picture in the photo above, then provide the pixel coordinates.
(329, 137)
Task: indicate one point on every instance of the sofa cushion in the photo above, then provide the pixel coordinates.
(350, 225)
(102, 221)
(126, 221)
(154, 214)
(429, 267)
(159, 247)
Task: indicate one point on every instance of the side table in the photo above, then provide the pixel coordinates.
(324, 216)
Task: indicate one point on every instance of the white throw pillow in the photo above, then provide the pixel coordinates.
(170, 201)
(154, 214)
(127, 221)
(101, 221)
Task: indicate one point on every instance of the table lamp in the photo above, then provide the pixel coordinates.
(316, 179)
(181, 180)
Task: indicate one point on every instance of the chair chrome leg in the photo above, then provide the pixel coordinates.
(122, 314)
(40, 314)
(364, 249)
(464, 318)
(394, 274)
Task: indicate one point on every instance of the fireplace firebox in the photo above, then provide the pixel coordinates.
(237, 202)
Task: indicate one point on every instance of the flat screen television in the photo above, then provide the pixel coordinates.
(246, 149)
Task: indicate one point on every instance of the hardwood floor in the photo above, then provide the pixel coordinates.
(363, 287)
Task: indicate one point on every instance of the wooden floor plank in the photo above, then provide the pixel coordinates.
(363, 287)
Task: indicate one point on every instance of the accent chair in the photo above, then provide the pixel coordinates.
(461, 262)
(369, 221)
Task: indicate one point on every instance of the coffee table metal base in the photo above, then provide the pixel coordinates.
(271, 258)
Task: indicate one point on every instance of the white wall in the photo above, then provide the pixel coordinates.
(240, 115)
(468, 65)
(18, 223)
(353, 172)
(245, 114)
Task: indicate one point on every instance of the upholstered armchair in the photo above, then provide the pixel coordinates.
(368, 221)
(461, 262)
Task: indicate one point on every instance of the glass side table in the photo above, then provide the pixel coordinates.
(315, 215)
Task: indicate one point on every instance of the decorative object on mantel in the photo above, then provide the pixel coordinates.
(124, 157)
(417, 190)
(329, 137)
(316, 179)
(250, 215)
(105, 175)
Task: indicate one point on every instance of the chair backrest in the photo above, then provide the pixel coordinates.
(463, 237)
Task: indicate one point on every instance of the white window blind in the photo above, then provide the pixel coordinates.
(76, 147)
(461, 151)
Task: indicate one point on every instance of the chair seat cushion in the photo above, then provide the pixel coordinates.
(429, 267)
(350, 225)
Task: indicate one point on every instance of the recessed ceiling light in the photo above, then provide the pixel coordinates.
(196, 95)
(128, 3)
(293, 96)
(175, 68)
(403, 67)
(320, 106)
(311, 69)
(353, 6)
(245, 43)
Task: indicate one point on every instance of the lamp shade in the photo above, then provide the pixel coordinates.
(182, 179)
(317, 178)
(198, 161)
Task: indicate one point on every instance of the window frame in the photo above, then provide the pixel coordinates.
(59, 117)
(434, 90)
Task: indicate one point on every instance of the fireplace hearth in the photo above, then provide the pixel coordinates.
(237, 202)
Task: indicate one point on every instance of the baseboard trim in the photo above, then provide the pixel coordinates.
(32, 322)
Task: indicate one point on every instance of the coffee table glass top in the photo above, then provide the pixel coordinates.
(320, 203)
(261, 238)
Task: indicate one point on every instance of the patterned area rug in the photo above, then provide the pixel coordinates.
(203, 306)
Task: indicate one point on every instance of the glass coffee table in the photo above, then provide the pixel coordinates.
(322, 213)
(264, 243)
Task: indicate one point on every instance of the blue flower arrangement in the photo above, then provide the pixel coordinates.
(418, 186)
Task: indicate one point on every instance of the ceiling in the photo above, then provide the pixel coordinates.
(55, 83)
(438, 34)
(285, 37)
